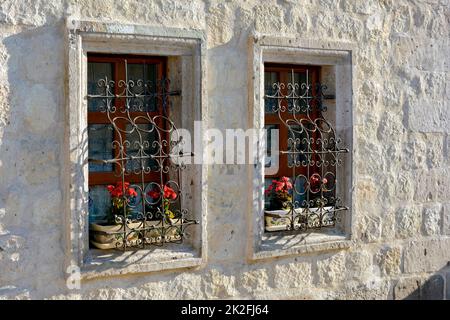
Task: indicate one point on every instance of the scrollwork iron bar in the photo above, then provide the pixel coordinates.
(154, 226)
(317, 152)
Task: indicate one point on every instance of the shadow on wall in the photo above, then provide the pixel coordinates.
(435, 287)
(31, 140)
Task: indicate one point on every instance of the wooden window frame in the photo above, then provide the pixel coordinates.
(119, 62)
(283, 71)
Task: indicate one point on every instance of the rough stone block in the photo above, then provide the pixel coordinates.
(432, 185)
(332, 269)
(369, 228)
(433, 288)
(358, 265)
(407, 289)
(254, 280)
(403, 184)
(423, 150)
(389, 259)
(219, 285)
(408, 221)
(443, 183)
(425, 185)
(293, 275)
(391, 127)
(426, 256)
(431, 220)
(388, 232)
(365, 8)
(219, 25)
(375, 289)
(423, 119)
(446, 219)
(415, 151)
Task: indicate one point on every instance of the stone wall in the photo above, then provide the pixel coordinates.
(401, 244)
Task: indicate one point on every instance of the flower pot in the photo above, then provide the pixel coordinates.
(170, 231)
(278, 220)
(110, 236)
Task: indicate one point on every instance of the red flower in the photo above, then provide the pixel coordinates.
(315, 179)
(287, 183)
(282, 185)
(119, 188)
(315, 182)
(132, 192)
(169, 193)
(154, 194)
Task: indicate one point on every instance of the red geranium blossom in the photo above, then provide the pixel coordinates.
(316, 182)
(118, 189)
(315, 179)
(282, 185)
(169, 193)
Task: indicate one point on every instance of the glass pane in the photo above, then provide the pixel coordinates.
(97, 71)
(299, 104)
(99, 203)
(269, 160)
(142, 146)
(270, 78)
(297, 142)
(299, 195)
(300, 78)
(144, 77)
(100, 137)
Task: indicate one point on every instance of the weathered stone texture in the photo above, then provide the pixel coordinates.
(446, 219)
(432, 220)
(426, 255)
(407, 289)
(219, 285)
(358, 266)
(375, 289)
(293, 275)
(429, 288)
(369, 228)
(254, 280)
(401, 150)
(331, 270)
(389, 260)
(408, 222)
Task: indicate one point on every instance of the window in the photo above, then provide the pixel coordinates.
(134, 184)
(300, 228)
(302, 194)
(182, 55)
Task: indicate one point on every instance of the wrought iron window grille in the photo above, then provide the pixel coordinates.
(315, 154)
(151, 217)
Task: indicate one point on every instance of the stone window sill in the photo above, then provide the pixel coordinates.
(280, 244)
(106, 263)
